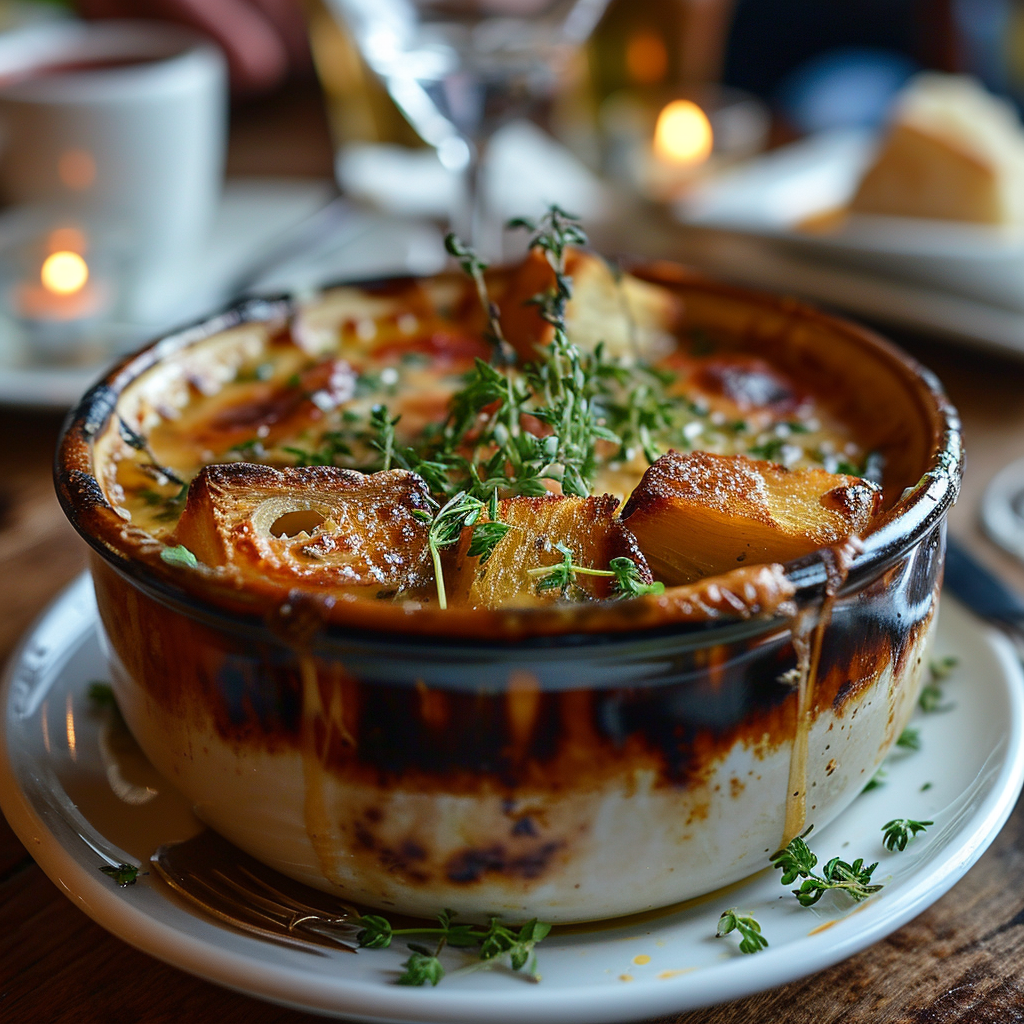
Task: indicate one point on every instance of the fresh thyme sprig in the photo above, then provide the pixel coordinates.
(900, 831)
(931, 697)
(795, 860)
(135, 440)
(562, 575)
(909, 739)
(876, 781)
(853, 879)
(474, 267)
(123, 874)
(498, 945)
(446, 524)
(751, 939)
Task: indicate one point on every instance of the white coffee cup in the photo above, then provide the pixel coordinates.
(122, 123)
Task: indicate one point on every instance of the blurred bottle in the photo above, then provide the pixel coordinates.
(358, 106)
(658, 44)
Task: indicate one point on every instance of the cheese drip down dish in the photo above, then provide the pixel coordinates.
(550, 590)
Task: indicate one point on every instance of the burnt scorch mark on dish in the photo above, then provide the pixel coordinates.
(474, 863)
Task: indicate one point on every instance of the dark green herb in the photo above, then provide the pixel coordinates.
(498, 944)
(853, 879)
(474, 267)
(877, 780)
(179, 556)
(901, 831)
(101, 695)
(562, 575)
(795, 860)
(140, 444)
(123, 874)
(770, 450)
(446, 525)
(751, 939)
(931, 696)
(421, 968)
(909, 739)
(629, 582)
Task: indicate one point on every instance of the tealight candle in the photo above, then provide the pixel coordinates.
(64, 289)
(683, 143)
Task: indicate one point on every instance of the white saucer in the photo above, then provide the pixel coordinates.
(55, 788)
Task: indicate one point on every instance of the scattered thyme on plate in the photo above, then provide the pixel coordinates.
(123, 874)
(497, 945)
(751, 939)
(796, 860)
(909, 739)
(931, 697)
(900, 831)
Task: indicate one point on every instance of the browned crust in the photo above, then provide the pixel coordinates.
(770, 318)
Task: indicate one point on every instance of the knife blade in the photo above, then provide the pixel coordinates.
(981, 590)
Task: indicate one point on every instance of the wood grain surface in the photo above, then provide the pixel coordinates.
(961, 961)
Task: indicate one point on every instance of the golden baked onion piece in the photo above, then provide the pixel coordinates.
(314, 525)
(699, 514)
(630, 316)
(587, 527)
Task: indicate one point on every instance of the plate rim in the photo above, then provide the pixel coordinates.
(372, 1001)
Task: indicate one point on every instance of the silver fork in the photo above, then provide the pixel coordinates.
(235, 888)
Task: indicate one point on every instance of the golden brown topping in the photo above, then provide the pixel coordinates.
(316, 526)
(585, 526)
(630, 316)
(699, 514)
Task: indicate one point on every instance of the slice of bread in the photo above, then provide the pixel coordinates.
(953, 152)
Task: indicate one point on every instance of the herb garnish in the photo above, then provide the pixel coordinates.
(498, 945)
(101, 695)
(901, 831)
(474, 267)
(853, 879)
(876, 781)
(140, 444)
(562, 575)
(123, 874)
(751, 939)
(909, 739)
(179, 556)
(931, 695)
(446, 524)
(796, 860)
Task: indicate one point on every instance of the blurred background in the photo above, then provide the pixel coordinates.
(161, 158)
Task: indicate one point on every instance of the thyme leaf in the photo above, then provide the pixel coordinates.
(123, 874)
(751, 939)
(853, 879)
(135, 440)
(900, 831)
(179, 556)
(497, 944)
(909, 739)
(795, 860)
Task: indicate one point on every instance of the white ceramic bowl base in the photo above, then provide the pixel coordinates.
(59, 772)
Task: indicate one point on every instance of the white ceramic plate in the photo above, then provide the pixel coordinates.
(58, 771)
(770, 196)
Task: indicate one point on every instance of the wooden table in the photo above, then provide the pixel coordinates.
(960, 961)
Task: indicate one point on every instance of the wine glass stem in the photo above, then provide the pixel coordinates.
(473, 217)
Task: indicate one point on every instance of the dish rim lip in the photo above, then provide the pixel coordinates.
(900, 528)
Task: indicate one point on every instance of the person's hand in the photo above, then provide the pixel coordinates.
(262, 39)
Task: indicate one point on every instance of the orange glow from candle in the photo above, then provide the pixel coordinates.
(683, 134)
(64, 273)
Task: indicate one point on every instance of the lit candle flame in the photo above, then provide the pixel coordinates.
(64, 273)
(683, 134)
